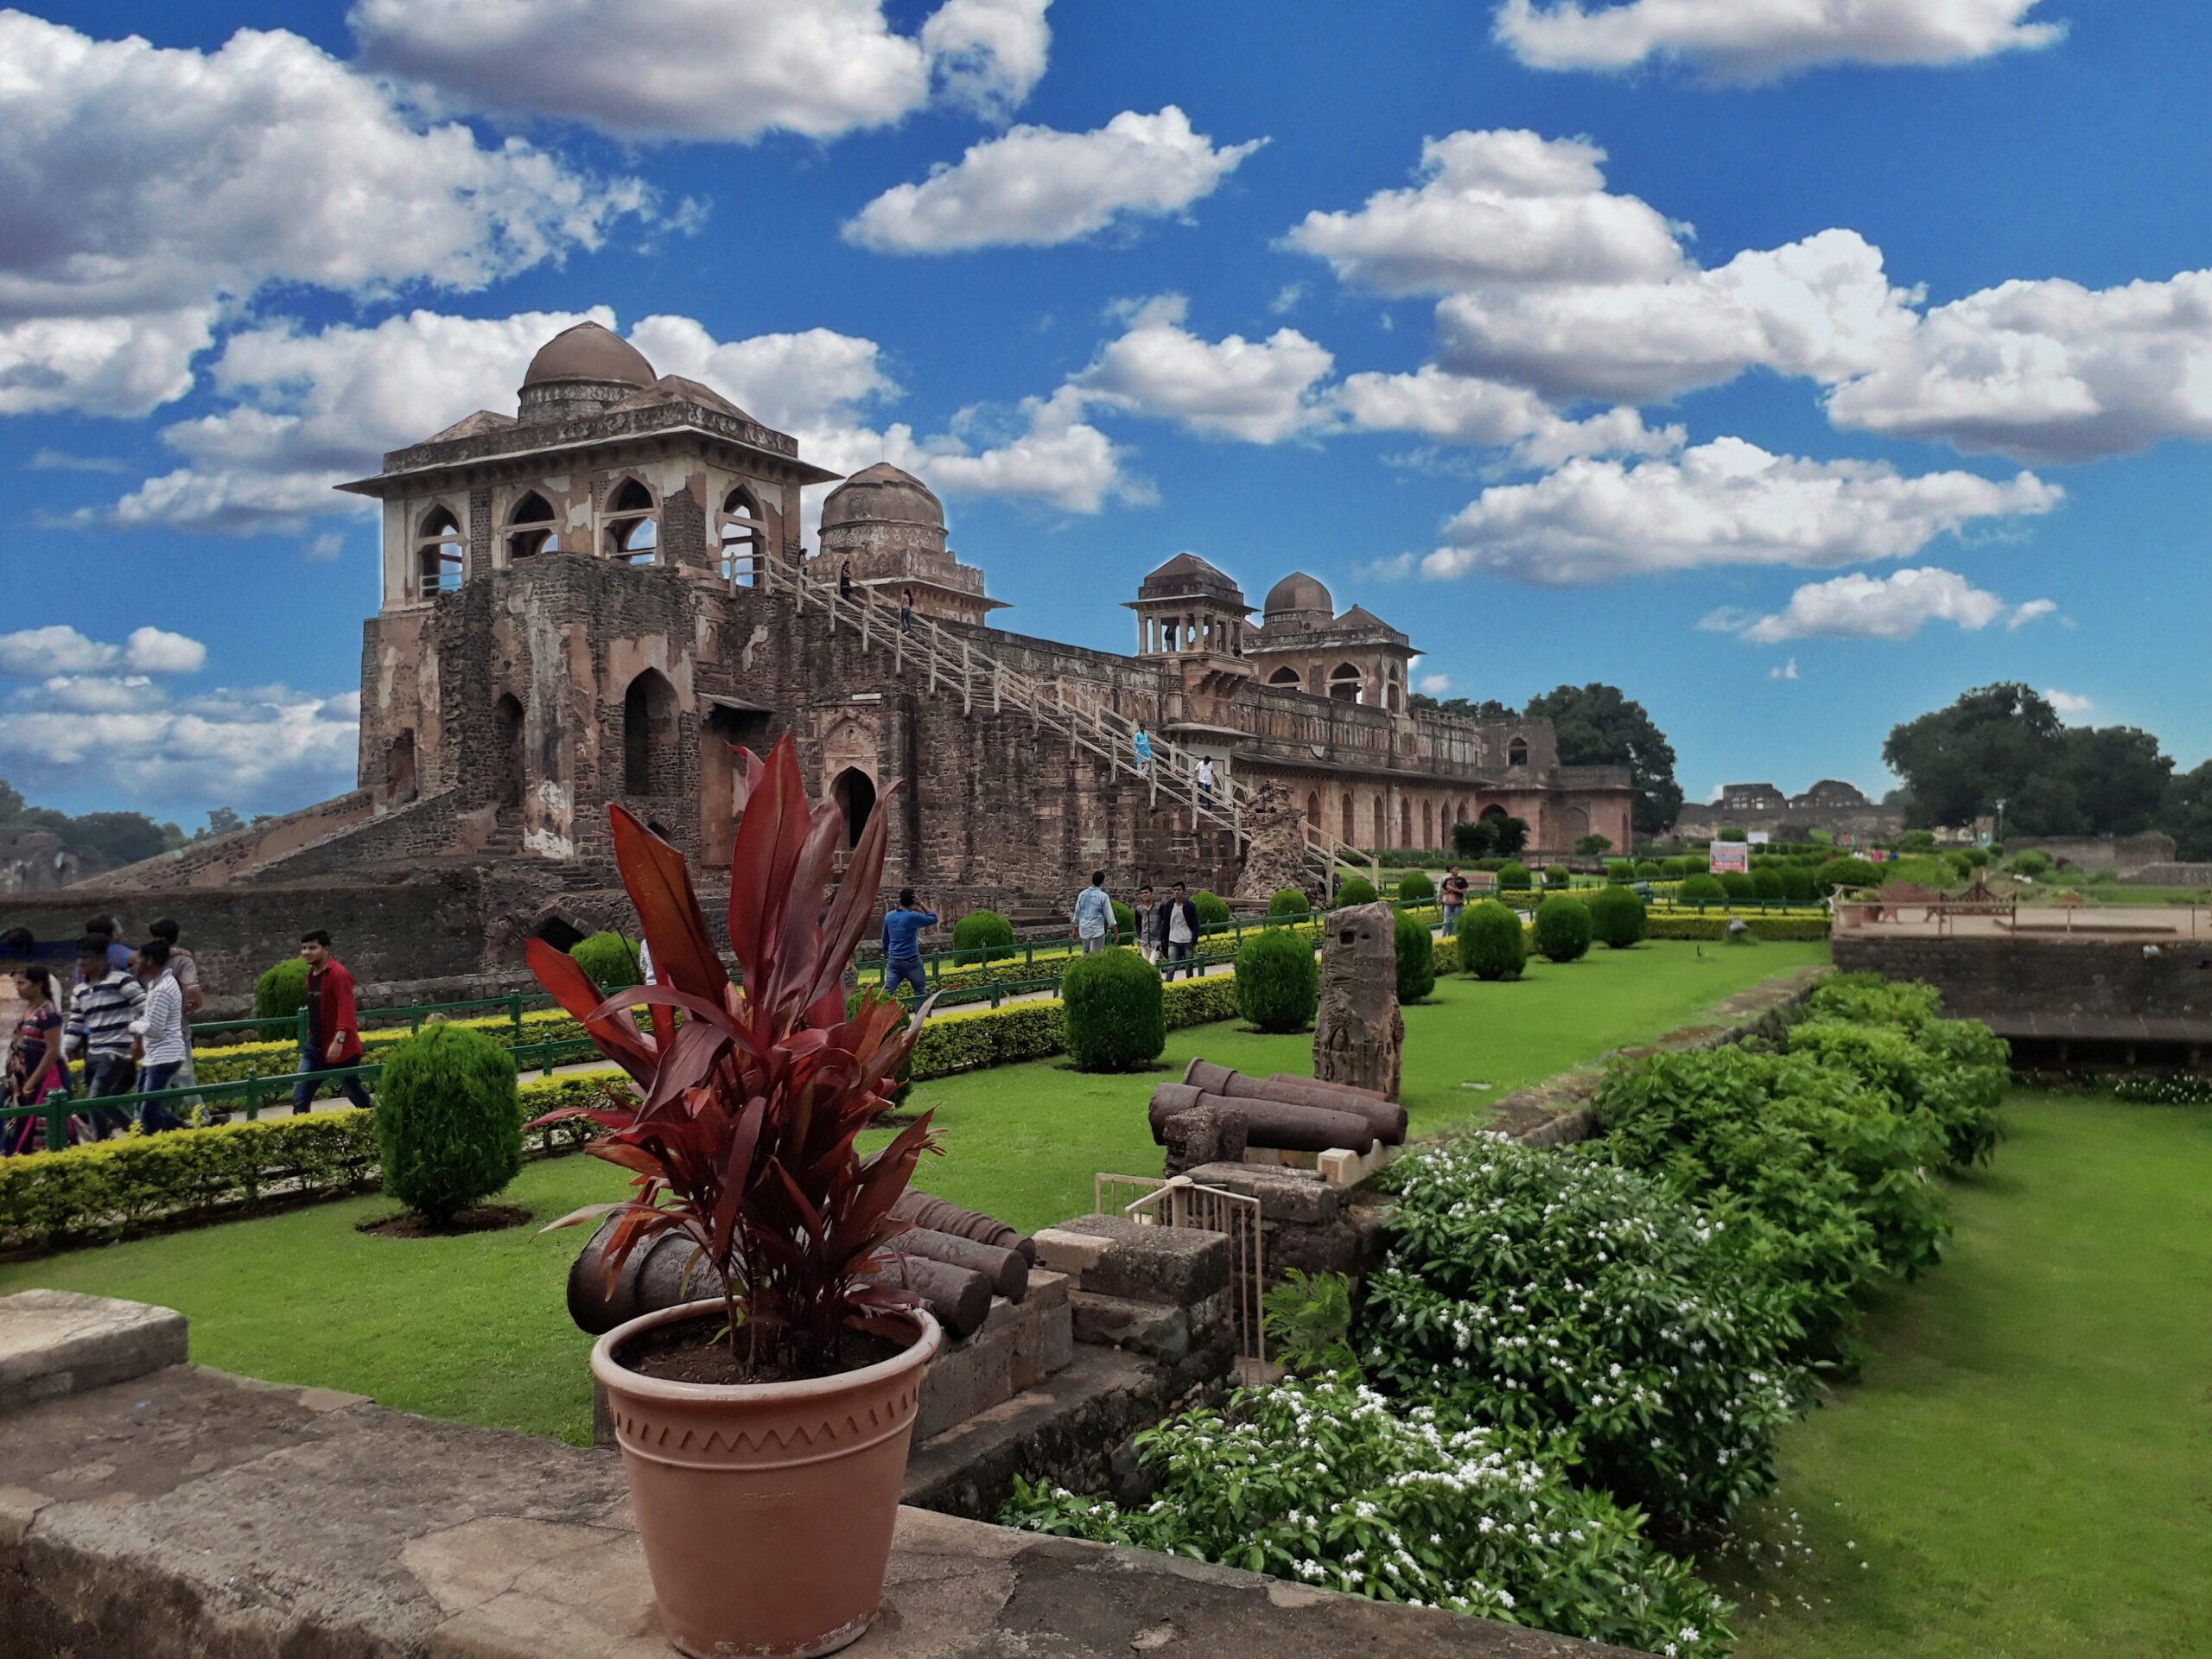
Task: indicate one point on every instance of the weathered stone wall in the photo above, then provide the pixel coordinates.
(1980, 978)
(2171, 876)
(2124, 853)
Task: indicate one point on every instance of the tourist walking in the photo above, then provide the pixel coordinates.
(1178, 929)
(1204, 771)
(35, 1068)
(160, 1030)
(1142, 743)
(1094, 915)
(845, 580)
(104, 929)
(907, 610)
(902, 949)
(1453, 896)
(186, 967)
(333, 1025)
(104, 1003)
(1149, 924)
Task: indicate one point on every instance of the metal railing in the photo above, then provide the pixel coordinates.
(1086, 719)
(1178, 1201)
(294, 1027)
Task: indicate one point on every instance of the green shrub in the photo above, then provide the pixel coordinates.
(1325, 1483)
(278, 996)
(1872, 999)
(1978, 856)
(1550, 1293)
(1352, 890)
(983, 936)
(1737, 885)
(1797, 886)
(1702, 888)
(1617, 918)
(2166, 1088)
(1291, 901)
(1491, 944)
(1953, 1070)
(1766, 885)
(1415, 888)
(1733, 834)
(1513, 877)
(1416, 957)
(610, 959)
(2031, 863)
(1213, 908)
(1846, 873)
(1278, 980)
(1563, 929)
(1917, 841)
(448, 1124)
(1115, 1018)
(1620, 870)
(1556, 875)
(1647, 869)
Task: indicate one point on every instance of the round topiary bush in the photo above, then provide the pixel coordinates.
(1278, 980)
(1647, 869)
(1620, 870)
(278, 996)
(1797, 885)
(1291, 901)
(1978, 856)
(1115, 1014)
(1352, 890)
(1618, 919)
(983, 936)
(1416, 957)
(1415, 888)
(448, 1122)
(1213, 908)
(1125, 923)
(1767, 883)
(1492, 945)
(1846, 873)
(1737, 885)
(1702, 889)
(1563, 928)
(1513, 877)
(1556, 876)
(2034, 861)
(610, 959)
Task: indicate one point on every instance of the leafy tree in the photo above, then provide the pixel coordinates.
(1487, 708)
(1591, 846)
(2186, 813)
(1511, 836)
(1474, 840)
(1597, 726)
(223, 821)
(2119, 773)
(2005, 743)
(118, 837)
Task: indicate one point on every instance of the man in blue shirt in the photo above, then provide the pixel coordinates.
(1094, 915)
(902, 951)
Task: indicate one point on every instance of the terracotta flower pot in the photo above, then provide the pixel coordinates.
(766, 1508)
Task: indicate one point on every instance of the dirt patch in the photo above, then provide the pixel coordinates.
(695, 1350)
(490, 1218)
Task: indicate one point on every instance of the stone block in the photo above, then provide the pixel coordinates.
(1111, 1255)
(1286, 1195)
(58, 1342)
(1162, 1333)
(968, 1377)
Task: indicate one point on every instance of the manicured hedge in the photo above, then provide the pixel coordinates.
(1035, 1031)
(983, 936)
(1492, 944)
(1278, 980)
(1563, 929)
(1415, 888)
(1416, 955)
(1112, 1011)
(1354, 890)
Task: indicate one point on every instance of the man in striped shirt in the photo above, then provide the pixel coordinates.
(99, 1027)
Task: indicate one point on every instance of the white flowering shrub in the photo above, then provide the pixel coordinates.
(2167, 1089)
(1552, 1292)
(1330, 1484)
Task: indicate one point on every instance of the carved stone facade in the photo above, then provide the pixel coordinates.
(1359, 1035)
(574, 616)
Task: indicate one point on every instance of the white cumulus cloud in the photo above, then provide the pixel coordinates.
(59, 649)
(150, 192)
(708, 69)
(1723, 503)
(1035, 187)
(1259, 391)
(1786, 671)
(2069, 703)
(1895, 607)
(1487, 414)
(2033, 611)
(1434, 685)
(1753, 40)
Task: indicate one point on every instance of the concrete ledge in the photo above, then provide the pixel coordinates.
(1112, 1256)
(57, 1342)
(193, 1515)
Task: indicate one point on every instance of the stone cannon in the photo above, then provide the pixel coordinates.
(1284, 1125)
(1387, 1117)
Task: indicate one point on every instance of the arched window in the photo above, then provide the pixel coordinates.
(1314, 808)
(633, 532)
(1381, 824)
(1517, 752)
(1351, 828)
(1494, 814)
(1285, 677)
(440, 554)
(529, 528)
(1428, 823)
(648, 735)
(1393, 694)
(1344, 682)
(1405, 823)
(745, 537)
(854, 793)
(506, 731)
(400, 768)
(1459, 813)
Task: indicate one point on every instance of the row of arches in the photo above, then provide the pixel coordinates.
(630, 531)
(1426, 823)
(1346, 683)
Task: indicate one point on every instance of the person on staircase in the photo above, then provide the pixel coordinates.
(1094, 915)
(1142, 743)
(1203, 773)
(905, 610)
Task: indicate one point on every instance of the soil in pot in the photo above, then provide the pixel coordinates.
(698, 1351)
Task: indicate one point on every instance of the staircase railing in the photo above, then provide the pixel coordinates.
(1080, 712)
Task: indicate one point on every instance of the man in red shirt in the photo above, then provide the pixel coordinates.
(334, 1028)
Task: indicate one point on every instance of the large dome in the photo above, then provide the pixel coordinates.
(1299, 592)
(882, 494)
(588, 352)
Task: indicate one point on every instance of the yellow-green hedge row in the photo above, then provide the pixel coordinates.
(115, 1187)
(234, 1061)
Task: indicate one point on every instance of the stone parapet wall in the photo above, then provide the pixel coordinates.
(2124, 853)
(2171, 876)
(1990, 978)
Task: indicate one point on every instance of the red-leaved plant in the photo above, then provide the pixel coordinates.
(744, 1139)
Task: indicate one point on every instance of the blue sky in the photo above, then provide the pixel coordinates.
(1794, 380)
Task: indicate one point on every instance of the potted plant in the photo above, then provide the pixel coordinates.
(764, 1428)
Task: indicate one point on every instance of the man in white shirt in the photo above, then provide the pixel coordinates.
(1181, 933)
(1205, 773)
(160, 1031)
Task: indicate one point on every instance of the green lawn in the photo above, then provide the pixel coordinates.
(473, 1329)
(2025, 1470)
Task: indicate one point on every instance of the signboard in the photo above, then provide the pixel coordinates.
(1727, 856)
(1761, 837)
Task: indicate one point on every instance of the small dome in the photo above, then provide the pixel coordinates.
(1299, 592)
(882, 494)
(588, 352)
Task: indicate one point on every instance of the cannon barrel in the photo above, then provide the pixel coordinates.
(937, 1216)
(1005, 1271)
(1273, 1123)
(1389, 1118)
